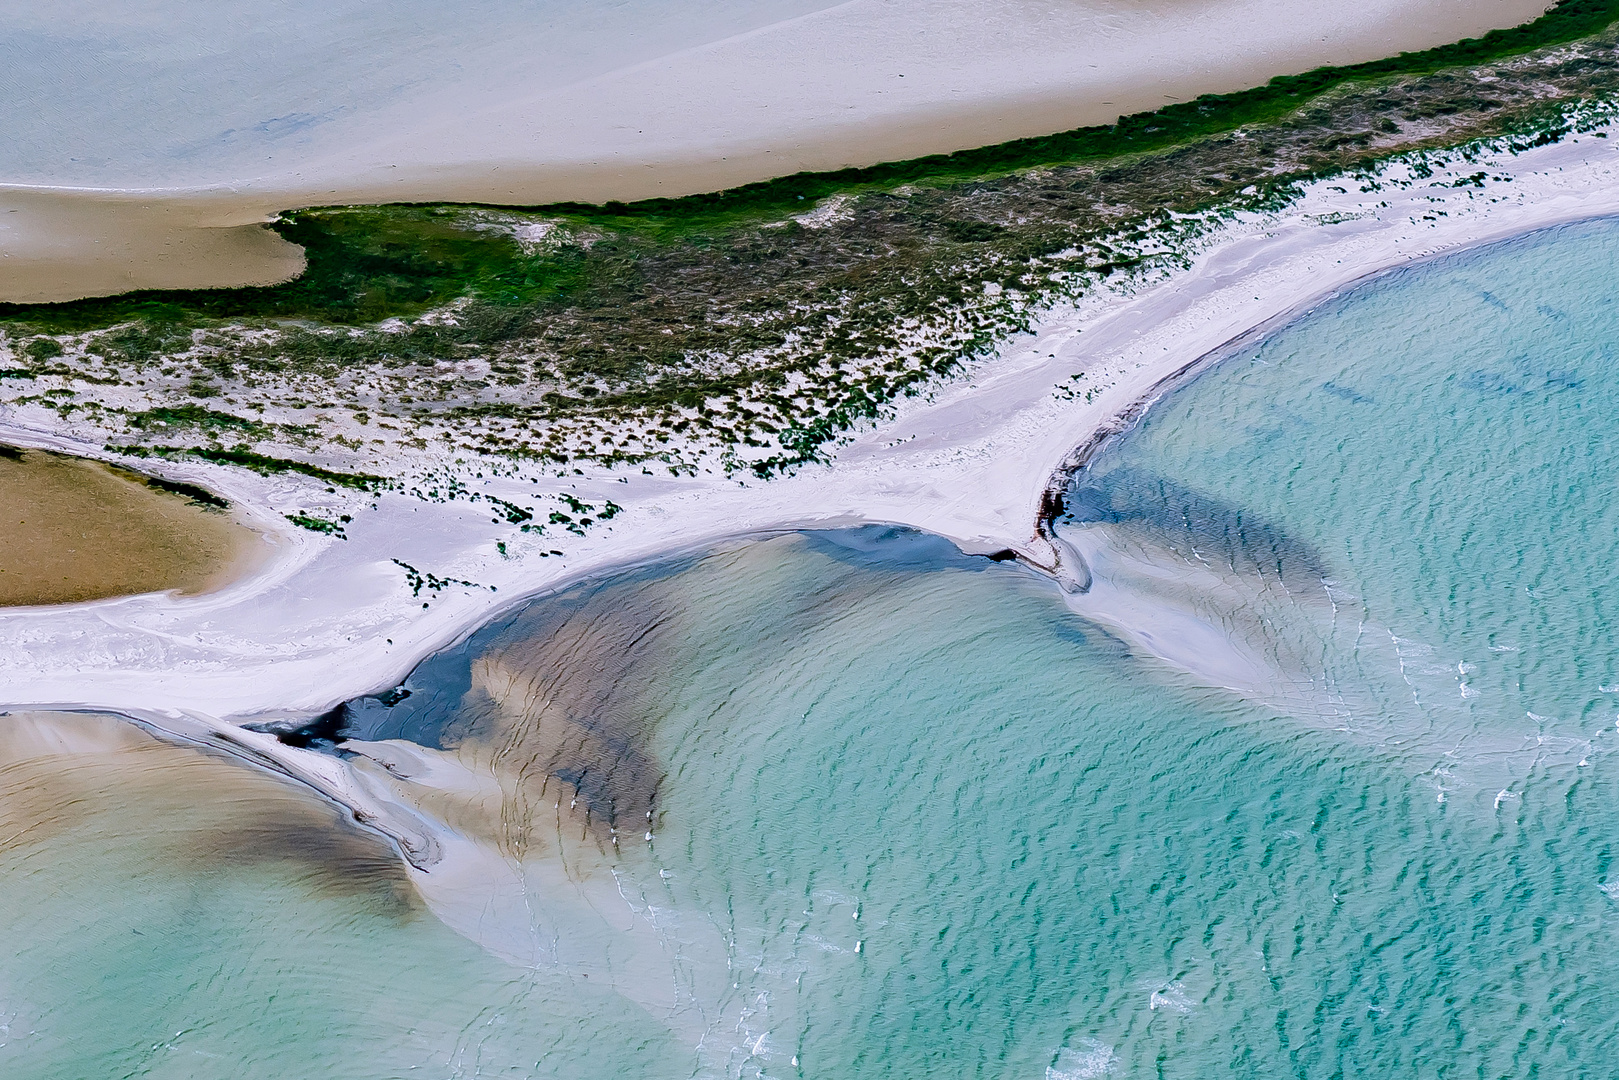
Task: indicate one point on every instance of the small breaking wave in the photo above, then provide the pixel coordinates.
(1092, 1059)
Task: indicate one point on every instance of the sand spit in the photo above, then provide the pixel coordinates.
(73, 529)
(332, 619)
(757, 90)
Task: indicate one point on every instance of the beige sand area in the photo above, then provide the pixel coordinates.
(847, 84)
(73, 530)
(63, 244)
(115, 787)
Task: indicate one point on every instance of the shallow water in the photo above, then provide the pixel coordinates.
(196, 92)
(913, 815)
(72, 529)
(169, 913)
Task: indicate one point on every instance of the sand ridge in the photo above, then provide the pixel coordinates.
(329, 619)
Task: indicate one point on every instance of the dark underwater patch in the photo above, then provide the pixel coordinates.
(890, 548)
(1198, 525)
(1354, 397)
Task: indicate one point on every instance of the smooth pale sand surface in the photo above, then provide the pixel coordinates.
(56, 245)
(299, 103)
(73, 530)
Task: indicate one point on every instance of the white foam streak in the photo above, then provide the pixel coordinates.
(1235, 629)
(1092, 1059)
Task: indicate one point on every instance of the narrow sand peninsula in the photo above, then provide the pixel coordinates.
(589, 108)
(62, 244)
(73, 529)
(332, 619)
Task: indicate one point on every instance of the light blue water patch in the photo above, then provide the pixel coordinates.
(199, 92)
(928, 821)
(1442, 441)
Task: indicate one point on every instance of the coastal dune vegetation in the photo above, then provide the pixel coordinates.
(744, 330)
(681, 801)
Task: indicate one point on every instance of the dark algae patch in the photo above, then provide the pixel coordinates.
(744, 331)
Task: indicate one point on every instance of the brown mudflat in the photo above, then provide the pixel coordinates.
(73, 530)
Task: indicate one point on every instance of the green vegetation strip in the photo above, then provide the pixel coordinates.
(319, 525)
(719, 332)
(366, 264)
(259, 463)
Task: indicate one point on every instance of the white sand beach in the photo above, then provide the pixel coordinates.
(329, 619)
(139, 166)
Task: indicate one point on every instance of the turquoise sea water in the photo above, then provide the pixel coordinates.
(159, 93)
(1316, 781)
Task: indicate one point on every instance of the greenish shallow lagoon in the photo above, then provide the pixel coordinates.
(1317, 780)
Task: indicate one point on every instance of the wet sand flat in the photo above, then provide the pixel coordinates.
(73, 530)
(57, 245)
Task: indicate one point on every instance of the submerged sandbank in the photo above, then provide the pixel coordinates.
(752, 92)
(170, 911)
(186, 809)
(72, 530)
